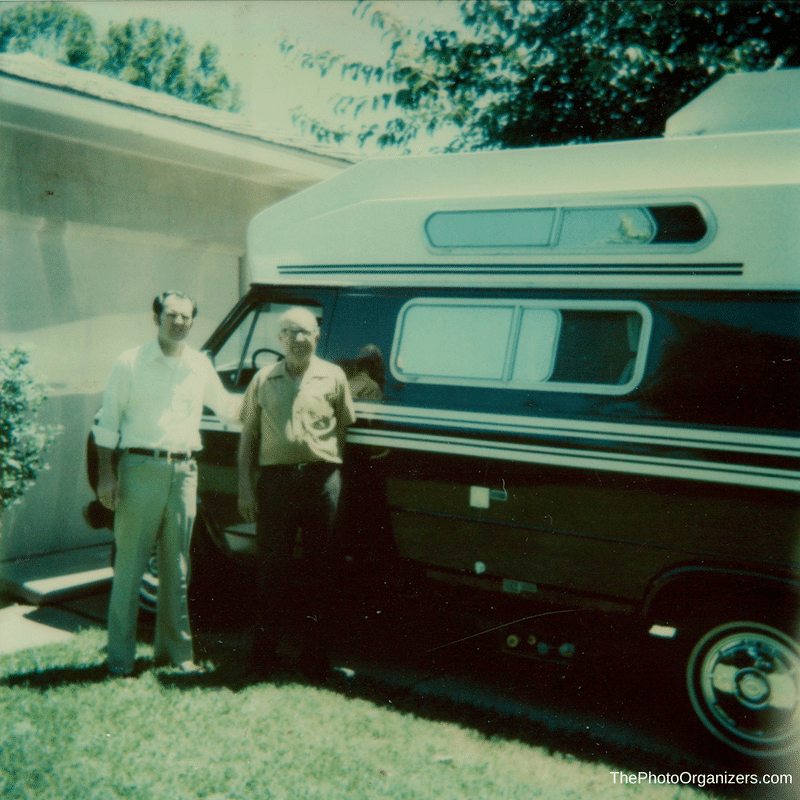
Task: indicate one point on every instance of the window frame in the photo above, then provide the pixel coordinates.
(560, 210)
(257, 310)
(506, 382)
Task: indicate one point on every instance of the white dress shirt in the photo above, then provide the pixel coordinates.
(156, 402)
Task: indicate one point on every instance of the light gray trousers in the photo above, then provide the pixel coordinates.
(158, 501)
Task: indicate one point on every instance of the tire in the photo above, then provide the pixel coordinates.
(743, 680)
(148, 588)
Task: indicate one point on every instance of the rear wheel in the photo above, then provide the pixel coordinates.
(743, 680)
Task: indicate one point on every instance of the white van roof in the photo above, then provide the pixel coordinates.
(703, 211)
(744, 102)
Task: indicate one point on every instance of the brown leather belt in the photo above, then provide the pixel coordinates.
(170, 456)
(300, 467)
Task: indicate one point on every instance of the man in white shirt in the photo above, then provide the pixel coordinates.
(151, 413)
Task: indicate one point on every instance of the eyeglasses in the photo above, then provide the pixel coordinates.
(294, 332)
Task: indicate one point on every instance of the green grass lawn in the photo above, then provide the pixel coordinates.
(68, 731)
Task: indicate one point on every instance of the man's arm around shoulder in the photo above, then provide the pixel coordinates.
(107, 482)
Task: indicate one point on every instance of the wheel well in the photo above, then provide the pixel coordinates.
(679, 595)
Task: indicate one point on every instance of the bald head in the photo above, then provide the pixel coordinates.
(299, 334)
(299, 317)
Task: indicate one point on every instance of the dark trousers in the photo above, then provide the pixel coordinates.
(292, 499)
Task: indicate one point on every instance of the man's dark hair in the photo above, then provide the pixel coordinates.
(158, 303)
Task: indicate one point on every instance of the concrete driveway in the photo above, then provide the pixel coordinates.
(24, 626)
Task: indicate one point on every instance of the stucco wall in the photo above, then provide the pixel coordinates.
(89, 234)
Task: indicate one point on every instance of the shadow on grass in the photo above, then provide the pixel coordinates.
(577, 746)
(229, 673)
(53, 677)
(226, 648)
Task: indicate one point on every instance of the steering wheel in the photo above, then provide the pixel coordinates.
(265, 350)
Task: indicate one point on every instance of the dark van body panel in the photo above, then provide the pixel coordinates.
(575, 372)
(747, 347)
(599, 536)
(571, 495)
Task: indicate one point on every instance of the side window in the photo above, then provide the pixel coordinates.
(432, 341)
(580, 346)
(594, 228)
(252, 344)
(536, 345)
(366, 373)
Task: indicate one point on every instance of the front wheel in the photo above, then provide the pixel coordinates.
(743, 680)
(148, 588)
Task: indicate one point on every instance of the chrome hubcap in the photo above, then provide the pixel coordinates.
(752, 688)
(744, 683)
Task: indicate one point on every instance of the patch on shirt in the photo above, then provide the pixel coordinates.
(314, 413)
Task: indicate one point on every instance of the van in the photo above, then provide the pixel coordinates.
(575, 370)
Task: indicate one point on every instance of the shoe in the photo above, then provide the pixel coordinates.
(190, 668)
(119, 673)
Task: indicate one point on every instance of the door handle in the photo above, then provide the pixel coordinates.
(481, 496)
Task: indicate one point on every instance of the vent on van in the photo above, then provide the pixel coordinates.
(586, 228)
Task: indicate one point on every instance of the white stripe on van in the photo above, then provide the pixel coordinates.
(355, 271)
(687, 469)
(618, 433)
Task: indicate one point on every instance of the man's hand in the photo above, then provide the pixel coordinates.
(247, 503)
(108, 491)
(107, 483)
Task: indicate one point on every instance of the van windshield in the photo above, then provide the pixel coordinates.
(253, 344)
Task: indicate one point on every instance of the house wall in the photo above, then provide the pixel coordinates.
(89, 233)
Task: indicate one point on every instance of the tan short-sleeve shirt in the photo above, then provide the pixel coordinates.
(298, 423)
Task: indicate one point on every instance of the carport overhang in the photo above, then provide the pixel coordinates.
(54, 103)
(72, 104)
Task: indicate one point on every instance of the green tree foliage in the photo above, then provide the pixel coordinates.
(51, 30)
(520, 73)
(142, 52)
(145, 53)
(23, 440)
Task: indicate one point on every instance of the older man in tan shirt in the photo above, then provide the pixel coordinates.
(295, 415)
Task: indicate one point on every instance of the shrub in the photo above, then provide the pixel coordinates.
(23, 440)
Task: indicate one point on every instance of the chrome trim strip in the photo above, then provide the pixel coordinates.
(620, 433)
(735, 474)
(213, 424)
(616, 432)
